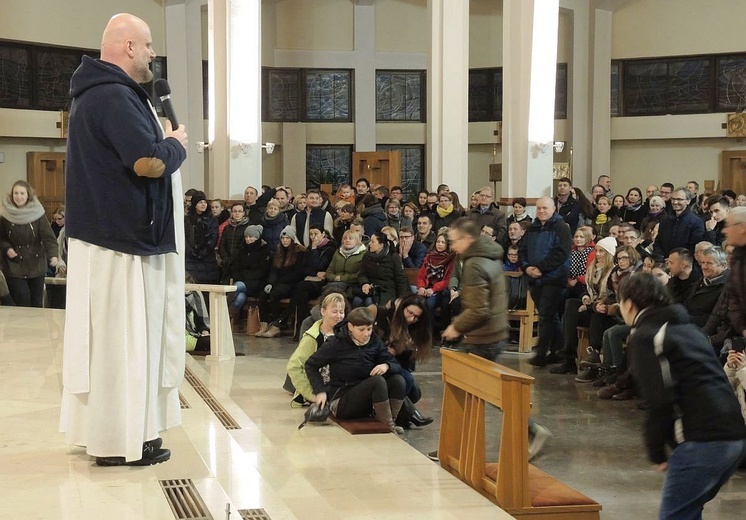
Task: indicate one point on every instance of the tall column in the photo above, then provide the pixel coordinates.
(601, 59)
(529, 76)
(234, 126)
(365, 77)
(184, 51)
(448, 96)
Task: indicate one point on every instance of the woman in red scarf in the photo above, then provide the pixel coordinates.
(432, 280)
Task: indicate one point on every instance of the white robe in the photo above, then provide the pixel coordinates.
(124, 349)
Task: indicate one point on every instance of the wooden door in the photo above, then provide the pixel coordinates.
(382, 168)
(46, 174)
(733, 172)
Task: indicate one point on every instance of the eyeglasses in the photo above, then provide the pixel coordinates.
(405, 236)
(620, 258)
(677, 199)
(410, 314)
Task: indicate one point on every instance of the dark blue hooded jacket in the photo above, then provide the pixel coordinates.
(118, 185)
(548, 247)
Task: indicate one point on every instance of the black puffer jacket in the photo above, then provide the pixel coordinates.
(201, 240)
(385, 271)
(250, 263)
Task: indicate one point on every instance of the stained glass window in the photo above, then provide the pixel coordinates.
(283, 95)
(15, 77)
(328, 95)
(400, 95)
(328, 164)
(731, 83)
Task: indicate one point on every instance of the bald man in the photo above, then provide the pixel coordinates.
(124, 347)
(545, 255)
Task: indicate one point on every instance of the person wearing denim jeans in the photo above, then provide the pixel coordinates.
(693, 429)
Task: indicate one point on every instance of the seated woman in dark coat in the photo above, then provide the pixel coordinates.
(249, 267)
(201, 230)
(285, 273)
(381, 273)
(363, 376)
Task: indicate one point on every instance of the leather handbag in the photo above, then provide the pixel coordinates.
(253, 322)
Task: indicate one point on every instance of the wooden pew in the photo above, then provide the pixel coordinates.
(512, 483)
(528, 318)
(221, 337)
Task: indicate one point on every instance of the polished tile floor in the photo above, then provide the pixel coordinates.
(316, 472)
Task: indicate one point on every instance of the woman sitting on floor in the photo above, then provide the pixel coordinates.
(405, 328)
(332, 313)
(363, 376)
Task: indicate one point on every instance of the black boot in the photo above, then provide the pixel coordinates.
(419, 420)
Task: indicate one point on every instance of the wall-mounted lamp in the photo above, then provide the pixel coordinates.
(559, 146)
(202, 146)
(270, 147)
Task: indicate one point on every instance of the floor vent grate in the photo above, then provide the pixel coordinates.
(253, 514)
(221, 413)
(185, 500)
(183, 402)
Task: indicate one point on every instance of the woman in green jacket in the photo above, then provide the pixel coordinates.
(332, 313)
(344, 270)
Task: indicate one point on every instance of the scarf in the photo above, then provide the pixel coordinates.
(381, 254)
(655, 213)
(601, 218)
(436, 264)
(236, 223)
(443, 213)
(579, 260)
(347, 253)
(634, 207)
(26, 214)
(324, 241)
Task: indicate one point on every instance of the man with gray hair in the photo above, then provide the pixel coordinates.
(682, 229)
(706, 294)
(488, 214)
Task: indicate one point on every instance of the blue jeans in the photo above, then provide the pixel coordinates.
(613, 344)
(696, 471)
(490, 351)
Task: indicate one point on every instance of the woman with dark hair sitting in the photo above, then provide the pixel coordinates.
(405, 328)
(435, 273)
(693, 430)
(201, 230)
(284, 274)
(363, 376)
(381, 273)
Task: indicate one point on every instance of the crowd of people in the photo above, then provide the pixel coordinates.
(389, 276)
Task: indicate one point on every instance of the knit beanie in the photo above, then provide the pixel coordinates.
(289, 231)
(253, 231)
(198, 196)
(609, 244)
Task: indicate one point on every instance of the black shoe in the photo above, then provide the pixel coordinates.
(563, 368)
(553, 357)
(433, 455)
(153, 456)
(588, 375)
(419, 420)
(538, 361)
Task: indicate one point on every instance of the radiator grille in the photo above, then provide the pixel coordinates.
(223, 416)
(185, 500)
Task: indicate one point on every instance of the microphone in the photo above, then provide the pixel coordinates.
(163, 91)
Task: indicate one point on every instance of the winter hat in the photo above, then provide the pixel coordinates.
(609, 244)
(289, 231)
(253, 231)
(198, 196)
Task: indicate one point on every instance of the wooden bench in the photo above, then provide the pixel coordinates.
(221, 337)
(512, 483)
(528, 336)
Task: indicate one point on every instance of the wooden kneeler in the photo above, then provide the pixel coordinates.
(512, 483)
